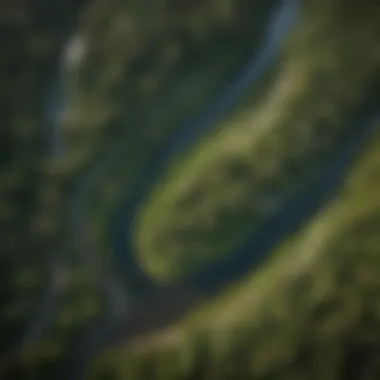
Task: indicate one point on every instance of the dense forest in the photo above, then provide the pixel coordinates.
(189, 189)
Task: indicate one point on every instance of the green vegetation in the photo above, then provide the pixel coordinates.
(312, 309)
(79, 307)
(221, 190)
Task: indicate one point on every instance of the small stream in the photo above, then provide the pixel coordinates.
(43, 315)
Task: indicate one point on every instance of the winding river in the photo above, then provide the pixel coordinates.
(178, 298)
(124, 318)
(278, 29)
